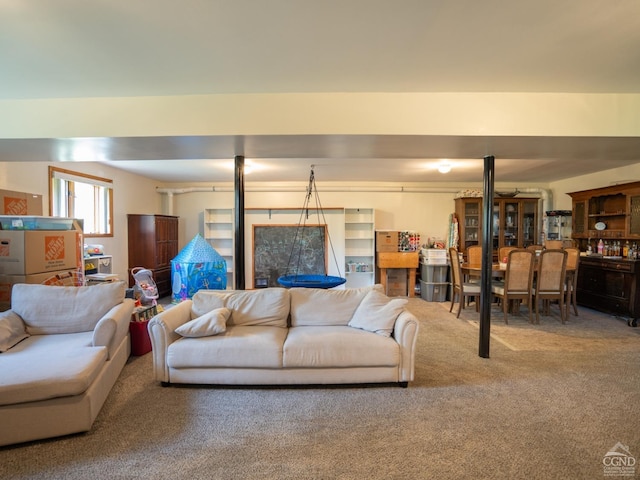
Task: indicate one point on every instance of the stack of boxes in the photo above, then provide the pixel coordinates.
(35, 249)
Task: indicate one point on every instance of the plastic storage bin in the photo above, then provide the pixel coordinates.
(435, 256)
(433, 292)
(434, 273)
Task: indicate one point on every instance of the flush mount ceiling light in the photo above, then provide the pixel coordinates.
(444, 166)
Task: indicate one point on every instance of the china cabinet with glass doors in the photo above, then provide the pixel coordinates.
(515, 222)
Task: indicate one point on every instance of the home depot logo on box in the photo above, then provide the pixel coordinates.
(53, 247)
(15, 206)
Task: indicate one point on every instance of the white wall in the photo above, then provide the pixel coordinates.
(605, 178)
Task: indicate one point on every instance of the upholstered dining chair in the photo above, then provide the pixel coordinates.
(518, 279)
(461, 289)
(550, 281)
(553, 244)
(474, 257)
(474, 254)
(503, 252)
(535, 247)
(573, 259)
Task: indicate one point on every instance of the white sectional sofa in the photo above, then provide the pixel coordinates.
(61, 351)
(276, 336)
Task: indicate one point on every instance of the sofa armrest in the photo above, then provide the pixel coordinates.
(405, 333)
(113, 327)
(162, 334)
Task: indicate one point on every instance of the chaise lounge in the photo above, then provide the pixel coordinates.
(61, 351)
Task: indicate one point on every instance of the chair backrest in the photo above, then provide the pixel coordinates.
(552, 266)
(456, 270)
(533, 248)
(553, 244)
(474, 254)
(519, 274)
(503, 252)
(573, 258)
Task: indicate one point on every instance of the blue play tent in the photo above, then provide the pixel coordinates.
(197, 267)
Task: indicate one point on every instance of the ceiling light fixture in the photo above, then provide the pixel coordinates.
(444, 167)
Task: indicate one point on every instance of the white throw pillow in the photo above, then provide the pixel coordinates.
(377, 313)
(211, 323)
(12, 330)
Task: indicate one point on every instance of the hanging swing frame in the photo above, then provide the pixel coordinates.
(296, 279)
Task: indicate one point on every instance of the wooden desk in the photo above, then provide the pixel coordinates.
(408, 260)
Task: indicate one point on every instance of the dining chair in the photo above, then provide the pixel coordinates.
(503, 252)
(553, 244)
(461, 289)
(518, 279)
(573, 259)
(535, 247)
(550, 281)
(474, 257)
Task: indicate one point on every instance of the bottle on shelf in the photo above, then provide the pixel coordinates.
(601, 247)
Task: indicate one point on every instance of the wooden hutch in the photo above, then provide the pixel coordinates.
(515, 222)
(608, 283)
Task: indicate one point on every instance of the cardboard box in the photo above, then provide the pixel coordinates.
(397, 282)
(20, 203)
(25, 252)
(62, 277)
(387, 241)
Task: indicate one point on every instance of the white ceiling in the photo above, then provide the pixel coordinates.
(75, 48)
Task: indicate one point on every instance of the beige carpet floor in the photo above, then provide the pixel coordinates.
(549, 403)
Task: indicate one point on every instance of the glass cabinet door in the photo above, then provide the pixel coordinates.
(529, 233)
(472, 227)
(497, 227)
(511, 224)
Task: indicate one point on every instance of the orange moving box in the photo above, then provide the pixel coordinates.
(24, 252)
(20, 203)
(63, 277)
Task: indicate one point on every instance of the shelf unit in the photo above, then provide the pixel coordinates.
(219, 232)
(359, 235)
(101, 264)
(617, 206)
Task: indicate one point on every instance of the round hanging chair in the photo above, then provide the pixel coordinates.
(310, 280)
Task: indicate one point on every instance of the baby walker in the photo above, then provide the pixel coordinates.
(144, 281)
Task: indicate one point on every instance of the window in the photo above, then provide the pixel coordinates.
(78, 195)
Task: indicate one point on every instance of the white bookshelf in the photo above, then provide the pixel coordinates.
(219, 232)
(359, 237)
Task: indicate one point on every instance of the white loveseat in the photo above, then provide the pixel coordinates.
(276, 336)
(61, 351)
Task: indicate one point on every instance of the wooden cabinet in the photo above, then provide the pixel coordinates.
(153, 243)
(609, 286)
(608, 213)
(515, 222)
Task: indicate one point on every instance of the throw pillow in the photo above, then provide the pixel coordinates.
(12, 330)
(211, 323)
(377, 313)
